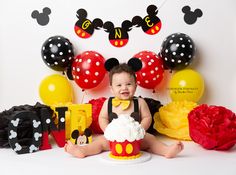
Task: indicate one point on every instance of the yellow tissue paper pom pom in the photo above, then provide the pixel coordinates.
(172, 119)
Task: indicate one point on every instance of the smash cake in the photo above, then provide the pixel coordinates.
(125, 135)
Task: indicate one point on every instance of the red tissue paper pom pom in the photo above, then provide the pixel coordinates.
(96, 108)
(213, 127)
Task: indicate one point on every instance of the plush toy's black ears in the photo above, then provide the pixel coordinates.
(75, 134)
(135, 64)
(110, 63)
(87, 132)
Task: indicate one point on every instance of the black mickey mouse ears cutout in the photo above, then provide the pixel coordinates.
(190, 17)
(110, 63)
(134, 63)
(118, 36)
(84, 28)
(43, 17)
(150, 24)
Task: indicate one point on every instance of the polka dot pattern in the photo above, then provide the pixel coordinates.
(177, 51)
(88, 69)
(152, 70)
(57, 53)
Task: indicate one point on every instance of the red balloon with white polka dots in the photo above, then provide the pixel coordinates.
(88, 69)
(152, 70)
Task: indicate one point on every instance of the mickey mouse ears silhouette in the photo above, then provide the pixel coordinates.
(190, 17)
(134, 63)
(42, 18)
(84, 28)
(118, 36)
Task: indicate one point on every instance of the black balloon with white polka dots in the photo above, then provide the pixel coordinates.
(57, 53)
(177, 51)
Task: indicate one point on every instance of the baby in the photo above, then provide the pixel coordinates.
(123, 86)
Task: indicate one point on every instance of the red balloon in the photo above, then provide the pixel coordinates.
(152, 70)
(88, 69)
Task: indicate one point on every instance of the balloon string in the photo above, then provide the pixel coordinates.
(168, 98)
(84, 92)
(162, 4)
(153, 94)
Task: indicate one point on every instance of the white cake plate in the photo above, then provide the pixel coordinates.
(145, 156)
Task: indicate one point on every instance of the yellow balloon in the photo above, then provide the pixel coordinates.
(55, 89)
(187, 85)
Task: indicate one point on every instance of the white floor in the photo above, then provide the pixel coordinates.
(193, 160)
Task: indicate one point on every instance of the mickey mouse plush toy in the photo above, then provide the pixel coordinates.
(85, 138)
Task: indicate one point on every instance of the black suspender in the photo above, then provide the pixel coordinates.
(136, 107)
(110, 105)
(134, 114)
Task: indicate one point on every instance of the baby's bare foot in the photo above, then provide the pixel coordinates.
(74, 150)
(174, 150)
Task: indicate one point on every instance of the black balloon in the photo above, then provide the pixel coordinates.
(177, 51)
(57, 53)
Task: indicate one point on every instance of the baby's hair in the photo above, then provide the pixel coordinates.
(121, 68)
(113, 66)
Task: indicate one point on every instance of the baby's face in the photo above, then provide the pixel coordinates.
(123, 86)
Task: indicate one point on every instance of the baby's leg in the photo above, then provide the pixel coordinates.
(98, 145)
(153, 145)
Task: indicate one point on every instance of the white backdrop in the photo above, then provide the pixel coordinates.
(21, 38)
(22, 69)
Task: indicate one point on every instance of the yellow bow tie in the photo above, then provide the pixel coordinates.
(124, 103)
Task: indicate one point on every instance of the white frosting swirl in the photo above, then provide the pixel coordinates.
(124, 128)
